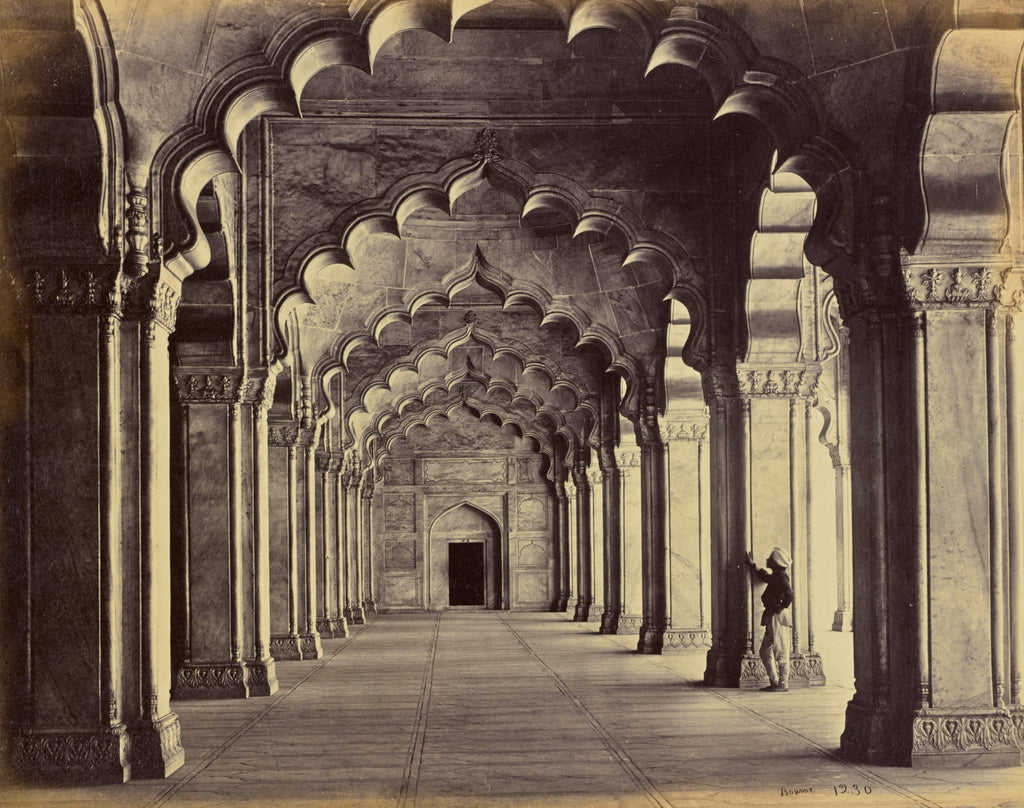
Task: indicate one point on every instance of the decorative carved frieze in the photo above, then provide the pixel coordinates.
(947, 286)
(94, 755)
(285, 647)
(211, 680)
(216, 388)
(629, 623)
(627, 460)
(968, 730)
(786, 382)
(291, 435)
(96, 290)
(686, 430)
(680, 639)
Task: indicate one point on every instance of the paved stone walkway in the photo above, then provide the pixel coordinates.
(529, 710)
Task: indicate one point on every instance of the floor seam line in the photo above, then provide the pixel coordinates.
(411, 775)
(630, 766)
(227, 743)
(896, 789)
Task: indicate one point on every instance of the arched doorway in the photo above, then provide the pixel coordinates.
(465, 549)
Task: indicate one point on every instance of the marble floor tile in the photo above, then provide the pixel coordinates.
(523, 710)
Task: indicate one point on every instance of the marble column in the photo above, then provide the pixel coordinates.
(262, 668)
(842, 619)
(563, 578)
(356, 613)
(611, 513)
(290, 637)
(337, 530)
(631, 580)
(211, 481)
(325, 493)
(584, 587)
(653, 527)
(155, 731)
(596, 480)
(310, 637)
(68, 539)
(366, 527)
(689, 534)
(933, 635)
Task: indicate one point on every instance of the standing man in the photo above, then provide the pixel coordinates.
(777, 598)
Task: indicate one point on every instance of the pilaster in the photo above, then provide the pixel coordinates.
(653, 526)
(584, 586)
(688, 533)
(933, 662)
(631, 613)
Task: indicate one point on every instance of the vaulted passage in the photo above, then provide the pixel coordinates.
(516, 709)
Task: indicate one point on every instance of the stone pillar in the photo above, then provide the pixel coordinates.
(337, 530)
(842, 619)
(584, 587)
(366, 526)
(156, 734)
(325, 489)
(289, 638)
(762, 423)
(68, 543)
(563, 579)
(930, 520)
(611, 499)
(356, 613)
(211, 489)
(262, 668)
(653, 527)
(689, 534)
(630, 514)
(732, 635)
(310, 637)
(596, 480)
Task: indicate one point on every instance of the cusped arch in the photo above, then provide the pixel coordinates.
(689, 35)
(466, 505)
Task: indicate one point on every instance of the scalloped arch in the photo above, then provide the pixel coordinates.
(690, 35)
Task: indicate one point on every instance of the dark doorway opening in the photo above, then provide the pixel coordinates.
(466, 574)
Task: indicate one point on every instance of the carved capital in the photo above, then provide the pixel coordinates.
(796, 381)
(628, 460)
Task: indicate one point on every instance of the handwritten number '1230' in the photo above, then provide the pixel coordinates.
(854, 790)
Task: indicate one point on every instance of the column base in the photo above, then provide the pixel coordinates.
(810, 667)
(325, 627)
(262, 677)
(285, 646)
(842, 620)
(630, 623)
(156, 747)
(609, 624)
(873, 735)
(67, 757)
(685, 639)
(563, 604)
(355, 615)
(339, 627)
(369, 606)
(211, 680)
(651, 640)
(723, 668)
(582, 614)
(310, 645)
(967, 738)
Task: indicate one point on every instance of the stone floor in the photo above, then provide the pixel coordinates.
(496, 709)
